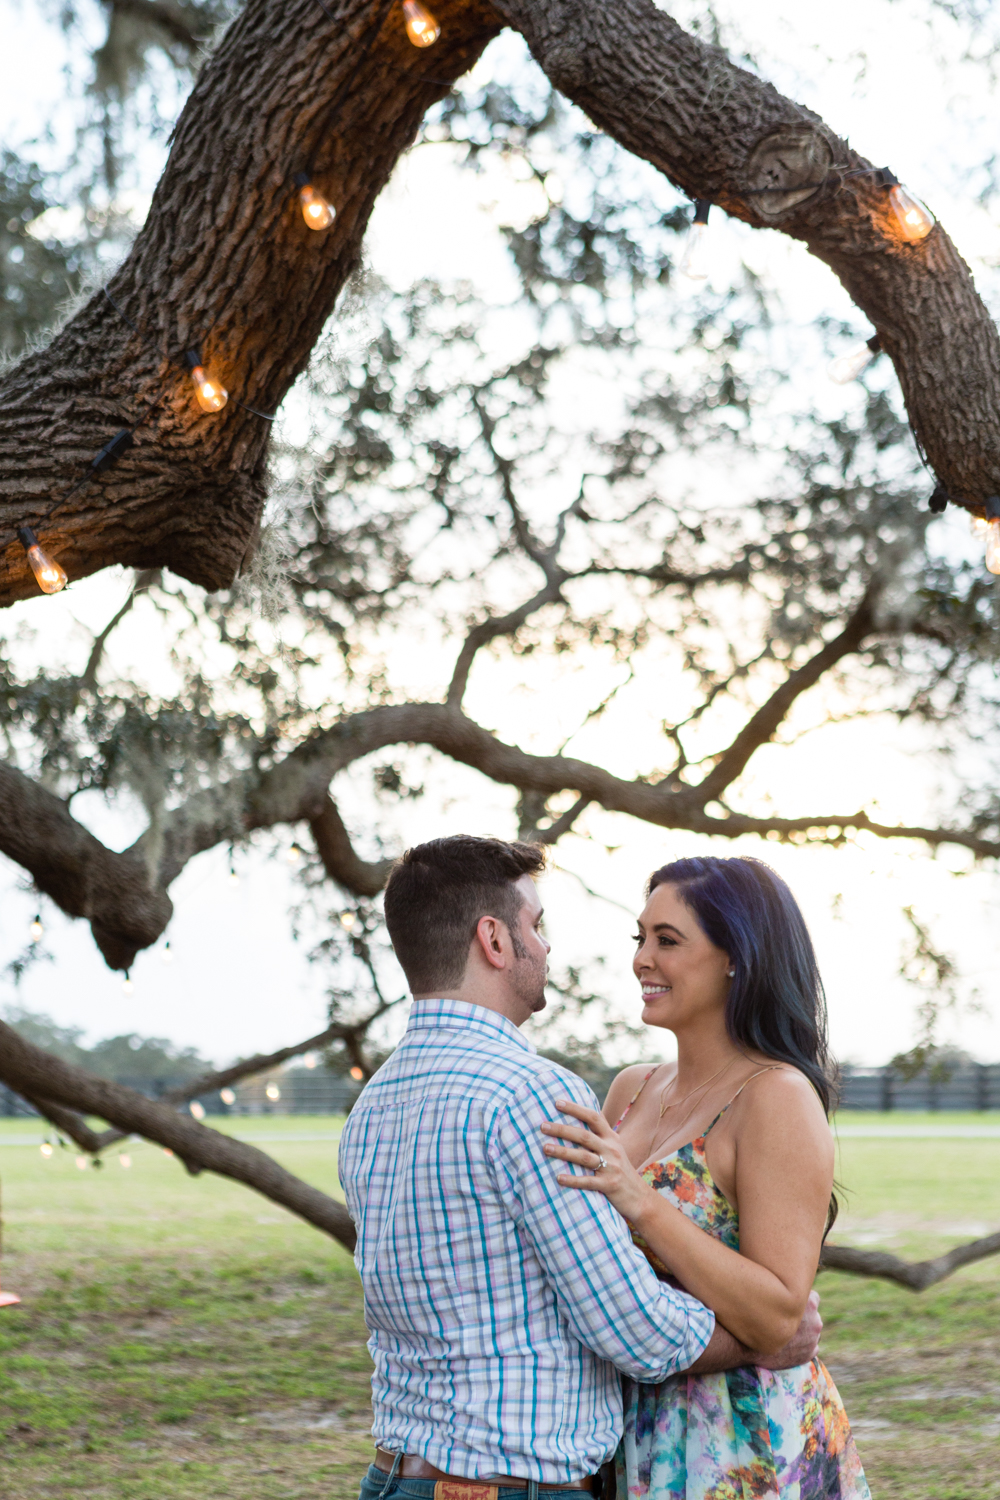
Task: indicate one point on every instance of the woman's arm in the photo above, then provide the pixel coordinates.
(784, 1175)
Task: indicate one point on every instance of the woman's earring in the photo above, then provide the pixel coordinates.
(731, 973)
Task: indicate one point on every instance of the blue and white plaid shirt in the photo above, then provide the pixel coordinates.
(498, 1302)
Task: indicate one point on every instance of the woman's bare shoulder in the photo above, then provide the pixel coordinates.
(783, 1096)
(623, 1087)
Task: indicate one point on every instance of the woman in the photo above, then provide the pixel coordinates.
(723, 1166)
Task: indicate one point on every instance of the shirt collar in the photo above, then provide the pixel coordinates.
(460, 1015)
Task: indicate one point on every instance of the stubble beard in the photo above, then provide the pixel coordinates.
(530, 980)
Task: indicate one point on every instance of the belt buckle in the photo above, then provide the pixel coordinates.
(465, 1489)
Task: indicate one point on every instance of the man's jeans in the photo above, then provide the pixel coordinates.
(377, 1485)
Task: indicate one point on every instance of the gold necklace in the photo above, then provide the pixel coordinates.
(674, 1103)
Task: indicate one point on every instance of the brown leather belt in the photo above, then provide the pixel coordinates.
(455, 1487)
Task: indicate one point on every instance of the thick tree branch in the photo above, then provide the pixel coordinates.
(127, 910)
(719, 132)
(37, 1075)
(917, 1275)
(335, 849)
(124, 895)
(224, 264)
(209, 1083)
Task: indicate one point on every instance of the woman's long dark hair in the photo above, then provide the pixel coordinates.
(776, 1003)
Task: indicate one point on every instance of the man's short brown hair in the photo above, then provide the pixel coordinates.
(437, 894)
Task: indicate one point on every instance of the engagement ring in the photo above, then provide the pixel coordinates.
(601, 1164)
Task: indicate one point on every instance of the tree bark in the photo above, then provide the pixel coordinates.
(720, 132)
(225, 263)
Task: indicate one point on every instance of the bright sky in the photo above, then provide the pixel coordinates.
(899, 88)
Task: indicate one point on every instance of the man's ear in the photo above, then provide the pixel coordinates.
(489, 935)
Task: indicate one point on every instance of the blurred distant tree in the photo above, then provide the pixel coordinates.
(599, 484)
(130, 1058)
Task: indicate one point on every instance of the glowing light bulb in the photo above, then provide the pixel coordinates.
(348, 920)
(197, 1110)
(124, 1160)
(357, 1073)
(227, 1096)
(852, 364)
(993, 534)
(82, 1163)
(293, 853)
(317, 211)
(49, 576)
(694, 261)
(166, 956)
(36, 929)
(210, 394)
(127, 985)
(421, 27)
(272, 1091)
(234, 878)
(914, 219)
(310, 1060)
(46, 1148)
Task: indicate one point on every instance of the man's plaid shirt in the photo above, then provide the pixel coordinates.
(498, 1302)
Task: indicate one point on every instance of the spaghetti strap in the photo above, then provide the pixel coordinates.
(637, 1093)
(774, 1068)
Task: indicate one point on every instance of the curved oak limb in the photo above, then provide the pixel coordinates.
(38, 1076)
(224, 263)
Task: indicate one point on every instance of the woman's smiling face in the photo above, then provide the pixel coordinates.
(682, 973)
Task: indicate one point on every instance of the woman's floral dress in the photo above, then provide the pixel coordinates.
(746, 1434)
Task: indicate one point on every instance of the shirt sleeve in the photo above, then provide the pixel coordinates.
(605, 1289)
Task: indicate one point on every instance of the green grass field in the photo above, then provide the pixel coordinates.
(183, 1339)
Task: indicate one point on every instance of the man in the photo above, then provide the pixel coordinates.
(500, 1306)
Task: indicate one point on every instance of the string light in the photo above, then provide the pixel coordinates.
(124, 1160)
(421, 27)
(197, 1110)
(317, 211)
(36, 929)
(46, 1148)
(310, 1060)
(913, 218)
(210, 394)
(272, 1091)
(227, 1096)
(993, 533)
(167, 955)
(852, 364)
(293, 853)
(234, 878)
(348, 920)
(82, 1163)
(49, 575)
(127, 985)
(357, 1073)
(694, 261)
